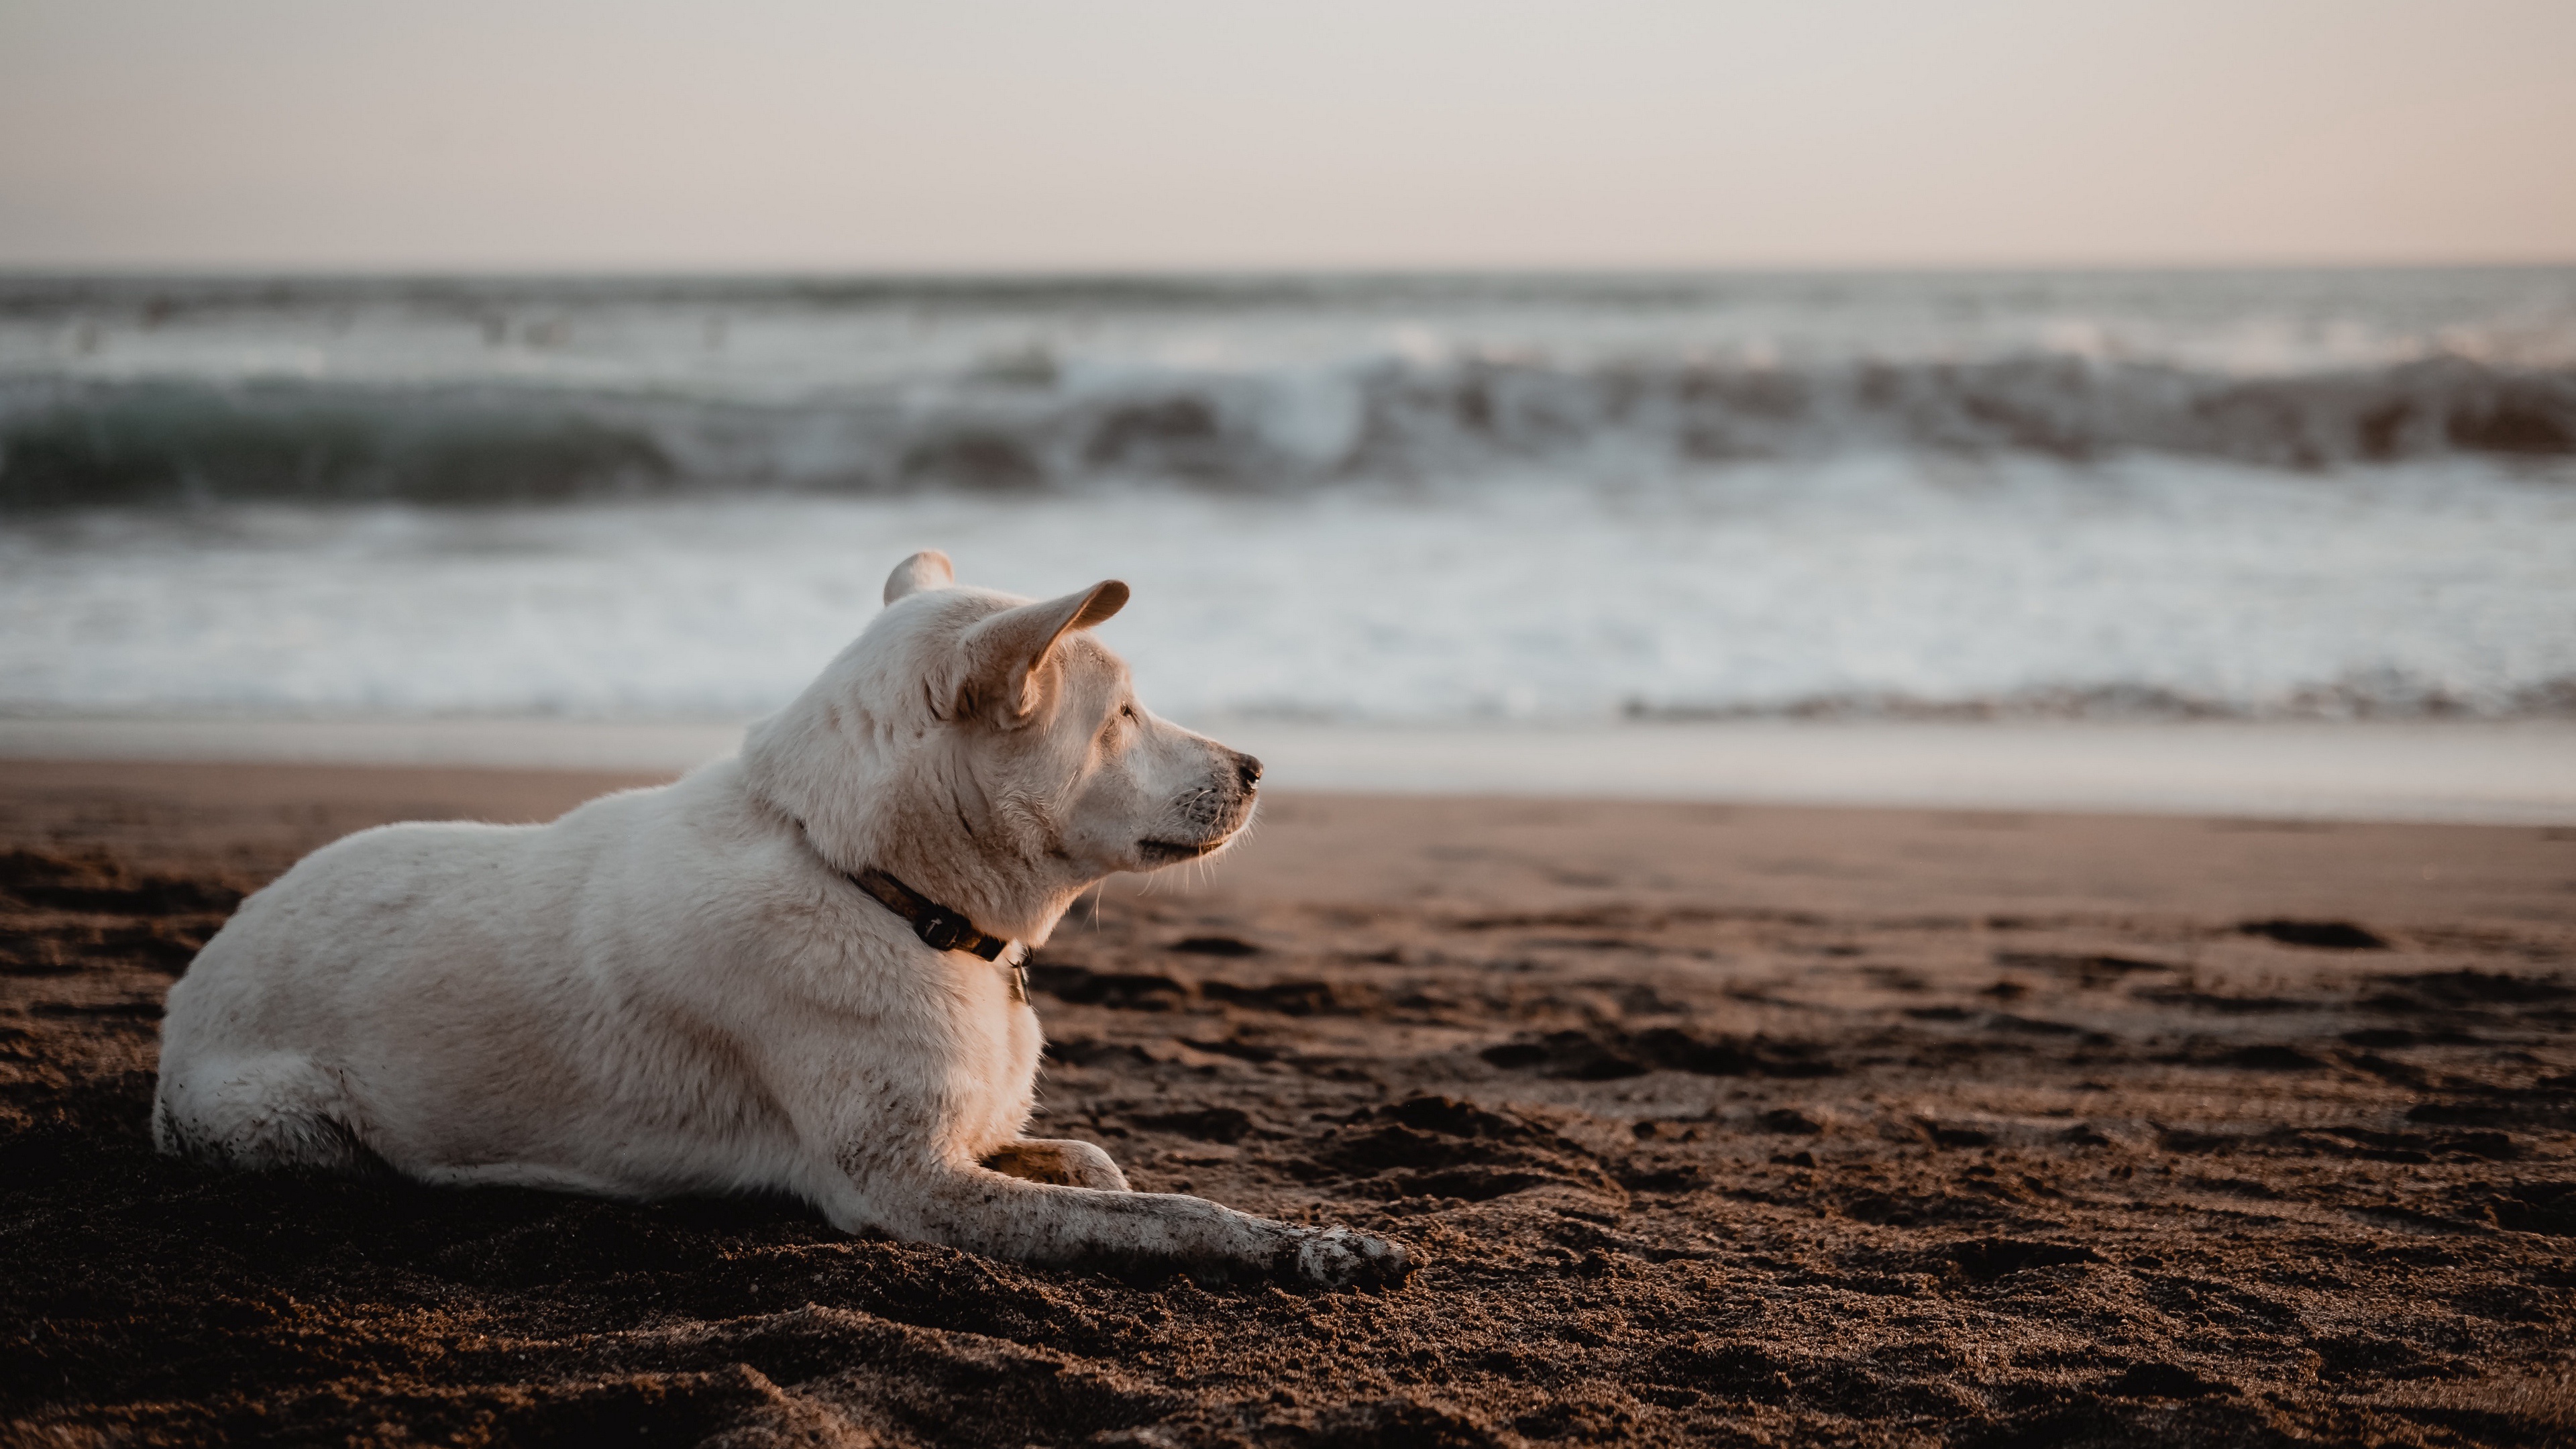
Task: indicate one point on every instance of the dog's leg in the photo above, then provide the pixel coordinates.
(1008, 1217)
(1066, 1163)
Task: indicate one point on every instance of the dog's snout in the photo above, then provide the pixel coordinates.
(1249, 769)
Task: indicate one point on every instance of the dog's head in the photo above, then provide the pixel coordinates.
(991, 744)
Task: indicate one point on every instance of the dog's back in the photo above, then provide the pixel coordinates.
(424, 994)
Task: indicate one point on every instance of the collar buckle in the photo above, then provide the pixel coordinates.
(942, 929)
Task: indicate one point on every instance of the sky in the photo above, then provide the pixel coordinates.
(1087, 135)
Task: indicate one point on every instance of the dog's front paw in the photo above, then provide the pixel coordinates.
(1340, 1258)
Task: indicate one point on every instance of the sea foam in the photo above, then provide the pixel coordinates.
(1396, 499)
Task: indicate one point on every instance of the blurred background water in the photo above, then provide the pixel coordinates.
(1417, 498)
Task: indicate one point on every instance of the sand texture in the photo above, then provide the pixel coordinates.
(1718, 1125)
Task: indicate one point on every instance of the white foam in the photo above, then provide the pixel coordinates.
(1936, 581)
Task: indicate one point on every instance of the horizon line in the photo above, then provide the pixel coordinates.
(605, 271)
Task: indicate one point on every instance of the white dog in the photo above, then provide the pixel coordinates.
(797, 970)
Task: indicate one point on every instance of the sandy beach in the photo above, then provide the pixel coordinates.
(1718, 1124)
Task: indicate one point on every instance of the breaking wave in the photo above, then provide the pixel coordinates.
(1026, 423)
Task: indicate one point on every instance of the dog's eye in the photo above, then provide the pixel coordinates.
(1127, 712)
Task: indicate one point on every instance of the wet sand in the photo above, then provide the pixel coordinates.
(1719, 1124)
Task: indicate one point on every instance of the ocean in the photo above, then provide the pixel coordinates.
(1406, 500)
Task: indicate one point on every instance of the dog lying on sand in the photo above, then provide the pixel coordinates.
(794, 971)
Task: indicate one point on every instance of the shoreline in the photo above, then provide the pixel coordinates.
(2508, 772)
(1311, 849)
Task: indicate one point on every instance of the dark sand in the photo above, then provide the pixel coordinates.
(1719, 1125)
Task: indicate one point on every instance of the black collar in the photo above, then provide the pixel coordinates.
(939, 928)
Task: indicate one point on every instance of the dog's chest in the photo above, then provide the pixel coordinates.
(999, 1040)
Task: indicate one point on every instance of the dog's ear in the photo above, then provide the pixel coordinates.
(1005, 652)
(928, 569)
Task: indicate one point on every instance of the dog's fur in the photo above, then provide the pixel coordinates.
(680, 990)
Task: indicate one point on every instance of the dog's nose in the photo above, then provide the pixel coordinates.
(1249, 768)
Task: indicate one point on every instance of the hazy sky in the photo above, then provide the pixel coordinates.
(969, 134)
